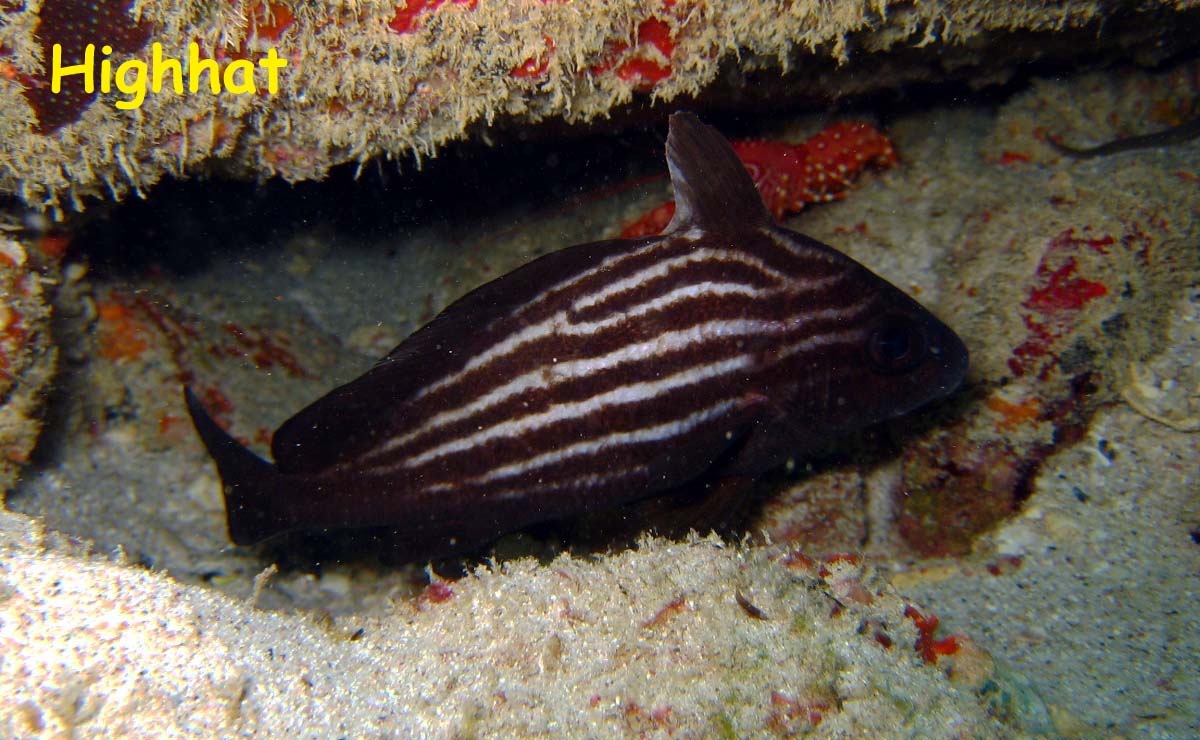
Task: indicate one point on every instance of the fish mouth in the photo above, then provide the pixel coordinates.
(951, 355)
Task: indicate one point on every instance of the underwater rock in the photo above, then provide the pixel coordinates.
(27, 359)
(692, 639)
(354, 81)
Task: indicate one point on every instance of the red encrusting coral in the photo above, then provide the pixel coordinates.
(1056, 300)
(963, 481)
(640, 722)
(74, 24)
(217, 403)
(1064, 293)
(654, 33)
(13, 336)
(437, 592)
(837, 558)
(651, 61)
(535, 66)
(1009, 157)
(269, 20)
(926, 646)
(796, 560)
(121, 332)
(407, 15)
(263, 350)
(1005, 565)
(54, 245)
(790, 176)
(820, 169)
(677, 605)
(1014, 415)
(793, 715)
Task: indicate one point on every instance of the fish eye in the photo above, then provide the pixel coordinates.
(896, 345)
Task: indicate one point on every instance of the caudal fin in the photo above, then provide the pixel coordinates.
(248, 481)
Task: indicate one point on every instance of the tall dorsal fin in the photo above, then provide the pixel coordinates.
(712, 187)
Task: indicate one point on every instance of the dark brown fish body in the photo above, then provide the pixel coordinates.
(603, 374)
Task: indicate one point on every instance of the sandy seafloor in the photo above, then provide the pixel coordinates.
(1093, 633)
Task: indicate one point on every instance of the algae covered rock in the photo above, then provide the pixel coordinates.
(139, 90)
(27, 358)
(692, 639)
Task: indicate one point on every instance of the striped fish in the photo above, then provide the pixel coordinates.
(602, 374)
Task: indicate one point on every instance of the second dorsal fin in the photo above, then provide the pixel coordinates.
(712, 187)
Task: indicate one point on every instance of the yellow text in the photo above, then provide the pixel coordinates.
(135, 78)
